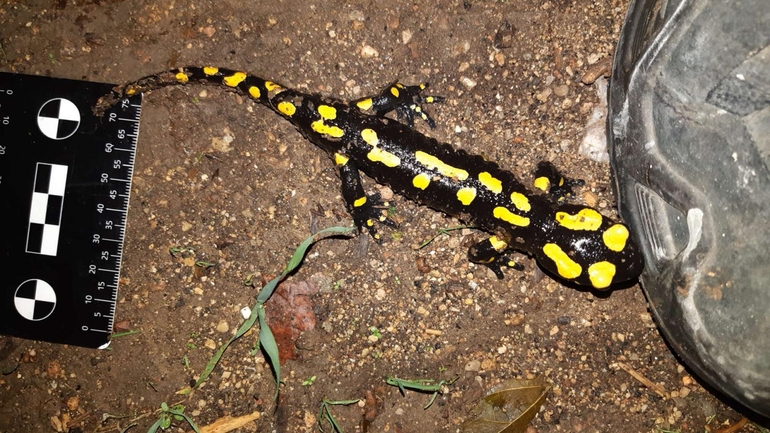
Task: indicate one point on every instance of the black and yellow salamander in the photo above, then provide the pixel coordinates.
(573, 241)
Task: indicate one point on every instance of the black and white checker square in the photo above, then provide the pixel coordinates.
(46, 209)
(58, 119)
(34, 299)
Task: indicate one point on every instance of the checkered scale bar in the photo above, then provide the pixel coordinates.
(46, 209)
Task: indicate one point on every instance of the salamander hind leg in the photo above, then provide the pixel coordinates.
(550, 180)
(365, 210)
(489, 253)
(406, 101)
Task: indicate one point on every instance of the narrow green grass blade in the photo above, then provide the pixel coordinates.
(245, 326)
(267, 341)
(191, 422)
(296, 259)
(154, 428)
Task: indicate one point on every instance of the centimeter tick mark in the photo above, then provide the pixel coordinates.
(108, 270)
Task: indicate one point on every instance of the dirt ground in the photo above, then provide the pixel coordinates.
(234, 186)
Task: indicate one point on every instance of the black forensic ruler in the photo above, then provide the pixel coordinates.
(65, 179)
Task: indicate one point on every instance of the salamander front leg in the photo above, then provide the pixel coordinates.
(364, 209)
(489, 253)
(550, 180)
(406, 101)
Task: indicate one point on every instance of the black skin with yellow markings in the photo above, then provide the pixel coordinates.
(569, 240)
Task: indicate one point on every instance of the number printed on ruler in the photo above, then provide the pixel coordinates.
(65, 182)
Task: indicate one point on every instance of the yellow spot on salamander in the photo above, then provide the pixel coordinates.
(431, 162)
(520, 201)
(421, 181)
(510, 217)
(601, 274)
(370, 137)
(490, 182)
(377, 154)
(287, 108)
(130, 92)
(255, 92)
(429, 99)
(234, 80)
(320, 127)
(586, 219)
(210, 70)
(387, 158)
(565, 266)
(498, 244)
(466, 195)
(182, 77)
(270, 86)
(360, 202)
(394, 91)
(365, 104)
(615, 237)
(542, 183)
(340, 159)
(327, 112)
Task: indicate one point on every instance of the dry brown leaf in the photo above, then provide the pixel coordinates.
(508, 407)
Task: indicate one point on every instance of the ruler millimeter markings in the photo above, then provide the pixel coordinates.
(65, 182)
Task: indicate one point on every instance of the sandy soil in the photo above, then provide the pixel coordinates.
(230, 181)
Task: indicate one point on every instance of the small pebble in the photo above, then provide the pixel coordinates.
(590, 198)
(473, 365)
(73, 403)
(406, 36)
(369, 52)
(468, 83)
(223, 326)
(561, 90)
(543, 96)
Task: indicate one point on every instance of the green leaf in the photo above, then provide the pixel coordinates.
(296, 259)
(267, 341)
(191, 422)
(154, 428)
(245, 326)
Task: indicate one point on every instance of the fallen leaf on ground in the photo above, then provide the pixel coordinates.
(508, 407)
(289, 313)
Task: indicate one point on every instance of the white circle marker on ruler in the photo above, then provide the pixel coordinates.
(58, 119)
(34, 299)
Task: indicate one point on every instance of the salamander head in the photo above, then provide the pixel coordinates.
(586, 248)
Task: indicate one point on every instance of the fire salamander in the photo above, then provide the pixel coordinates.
(573, 241)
